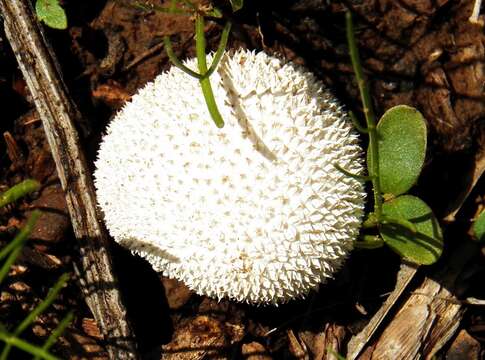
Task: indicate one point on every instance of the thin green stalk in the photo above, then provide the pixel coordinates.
(57, 332)
(15, 246)
(173, 58)
(202, 65)
(44, 304)
(19, 190)
(220, 50)
(11, 340)
(369, 115)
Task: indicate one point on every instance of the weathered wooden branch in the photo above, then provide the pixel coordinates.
(426, 320)
(359, 341)
(59, 115)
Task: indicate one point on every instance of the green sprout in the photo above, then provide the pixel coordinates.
(204, 72)
(395, 157)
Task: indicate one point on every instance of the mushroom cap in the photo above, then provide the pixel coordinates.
(255, 211)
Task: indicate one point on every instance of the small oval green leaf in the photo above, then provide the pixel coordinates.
(51, 13)
(402, 147)
(479, 227)
(423, 246)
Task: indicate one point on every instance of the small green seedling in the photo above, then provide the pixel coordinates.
(8, 255)
(395, 157)
(186, 7)
(51, 13)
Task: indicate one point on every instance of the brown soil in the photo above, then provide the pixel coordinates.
(423, 53)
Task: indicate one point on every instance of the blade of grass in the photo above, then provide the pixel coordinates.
(19, 190)
(57, 332)
(29, 319)
(25, 346)
(15, 246)
(44, 304)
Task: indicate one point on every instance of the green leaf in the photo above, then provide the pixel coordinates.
(237, 5)
(51, 13)
(402, 147)
(425, 245)
(479, 227)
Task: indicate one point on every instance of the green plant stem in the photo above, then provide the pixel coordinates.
(19, 190)
(11, 340)
(220, 50)
(173, 58)
(202, 65)
(369, 116)
(15, 247)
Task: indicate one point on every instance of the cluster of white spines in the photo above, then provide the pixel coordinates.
(255, 211)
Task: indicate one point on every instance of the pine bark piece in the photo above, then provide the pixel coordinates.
(255, 351)
(58, 114)
(464, 347)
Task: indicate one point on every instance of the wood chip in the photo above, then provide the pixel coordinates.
(13, 151)
(297, 349)
(91, 328)
(464, 347)
(255, 351)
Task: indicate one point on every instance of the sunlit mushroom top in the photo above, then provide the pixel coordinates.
(255, 211)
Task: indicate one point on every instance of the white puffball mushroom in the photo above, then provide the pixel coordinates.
(255, 211)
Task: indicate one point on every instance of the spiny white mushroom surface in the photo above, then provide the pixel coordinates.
(255, 211)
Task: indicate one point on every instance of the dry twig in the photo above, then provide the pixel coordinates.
(59, 115)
